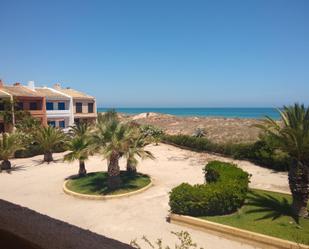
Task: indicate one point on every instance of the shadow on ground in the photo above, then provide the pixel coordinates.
(270, 207)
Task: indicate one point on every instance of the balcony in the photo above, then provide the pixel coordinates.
(58, 113)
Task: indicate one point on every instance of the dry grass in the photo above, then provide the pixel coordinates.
(221, 130)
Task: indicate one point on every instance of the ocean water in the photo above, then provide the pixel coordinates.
(255, 113)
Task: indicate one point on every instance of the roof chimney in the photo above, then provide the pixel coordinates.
(31, 85)
(17, 84)
(57, 86)
(1, 83)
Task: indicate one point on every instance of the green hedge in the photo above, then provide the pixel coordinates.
(260, 152)
(224, 194)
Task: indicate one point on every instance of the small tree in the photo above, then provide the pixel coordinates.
(152, 132)
(110, 140)
(292, 136)
(47, 139)
(28, 124)
(9, 144)
(11, 112)
(136, 147)
(80, 146)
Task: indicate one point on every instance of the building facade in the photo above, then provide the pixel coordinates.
(26, 99)
(57, 106)
(84, 106)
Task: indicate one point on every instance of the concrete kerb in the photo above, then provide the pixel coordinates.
(103, 197)
(244, 236)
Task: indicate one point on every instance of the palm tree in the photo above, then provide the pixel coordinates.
(47, 139)
(292, 137)
(9, 144)
(110, 140)
(136, 147)
(80, 146)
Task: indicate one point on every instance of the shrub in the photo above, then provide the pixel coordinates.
(225, 192)
(262, 152)
(153, 132)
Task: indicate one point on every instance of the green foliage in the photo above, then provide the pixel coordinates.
(184, 238)
(96, 183)
(136, 144)
(152, 132)
(292, 135)
(224, 194)
(267, 213)
(47, 139)
(262, 152)
(11, 111)
(110, 138)
(28, 124)
(9, 144)
(80, 144)
(110, 115)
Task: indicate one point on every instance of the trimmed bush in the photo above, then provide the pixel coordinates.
(262, 152)
(224, 193)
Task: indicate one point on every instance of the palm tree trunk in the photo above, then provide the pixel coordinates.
(299, 186)
(48, 157)
(6, 165)
(82, 169)
(114, 180)
(131, 167)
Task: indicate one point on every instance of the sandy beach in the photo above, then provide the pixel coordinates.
(39, 187)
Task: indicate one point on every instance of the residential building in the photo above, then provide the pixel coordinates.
(28, 100)
(84, 106)
(4, 98)
(59, 107)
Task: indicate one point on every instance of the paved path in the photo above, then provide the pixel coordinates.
(39, 187)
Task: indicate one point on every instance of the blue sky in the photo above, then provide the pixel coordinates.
(165, 53)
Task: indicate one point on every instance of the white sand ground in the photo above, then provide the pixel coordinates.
(39, 187)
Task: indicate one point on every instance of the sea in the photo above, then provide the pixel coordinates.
(252, 113)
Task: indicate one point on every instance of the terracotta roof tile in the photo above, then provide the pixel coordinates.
(21, 91)
(75, 94)
(3, 94)
(48, 93)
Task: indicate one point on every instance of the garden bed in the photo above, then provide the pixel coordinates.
(94, 185)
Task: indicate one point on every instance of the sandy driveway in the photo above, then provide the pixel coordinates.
(39, 187)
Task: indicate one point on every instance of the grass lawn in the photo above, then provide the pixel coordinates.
(96, 183)
(268, 213)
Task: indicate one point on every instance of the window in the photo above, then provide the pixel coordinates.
(49, 106)
(90, 107)
(52, 123)
(33, 106)
(79, 107)
(62, 124)
(61, 106)
(20, 106)
(1, 105)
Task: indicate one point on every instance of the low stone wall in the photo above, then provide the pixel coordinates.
(48, 233)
